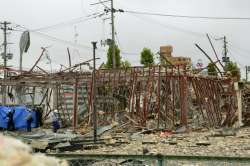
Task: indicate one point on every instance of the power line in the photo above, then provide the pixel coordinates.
(57, 25)
(105, 6)
(240, 64)
(170, 26)
(60, 40)
(120, 46)
(65, 23)
(66, 41)
(180, 29)
(235, 52)
(118, 41)
(239, 48)
(129, 53)
(187, 16)
(53, 38)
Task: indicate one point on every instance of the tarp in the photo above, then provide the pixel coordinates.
(3, 116)
(19, 117)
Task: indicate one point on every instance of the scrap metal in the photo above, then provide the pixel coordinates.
(161, 92)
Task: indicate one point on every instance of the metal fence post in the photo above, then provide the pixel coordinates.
(160, 160)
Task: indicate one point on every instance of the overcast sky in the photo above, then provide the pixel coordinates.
(133, 31)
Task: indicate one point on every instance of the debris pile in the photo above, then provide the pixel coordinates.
(219, 142)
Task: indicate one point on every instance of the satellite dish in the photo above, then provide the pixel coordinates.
(24, 43)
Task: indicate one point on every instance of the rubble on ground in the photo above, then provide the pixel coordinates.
(213, 142)
(126, 139)
(112, 139)
(203, 142)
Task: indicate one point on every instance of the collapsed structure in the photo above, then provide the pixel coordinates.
(134, 110)
(171, 95)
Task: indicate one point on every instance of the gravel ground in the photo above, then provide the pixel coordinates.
(180, 144)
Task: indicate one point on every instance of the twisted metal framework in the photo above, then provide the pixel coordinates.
(166, 94)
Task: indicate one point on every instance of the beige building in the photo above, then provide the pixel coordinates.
(166, 52)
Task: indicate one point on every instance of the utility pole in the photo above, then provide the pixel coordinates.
(111, 42)
(113, 33)
(5, 28)
(247, 70)
(94, 94)
(226, 58)
(5, 47)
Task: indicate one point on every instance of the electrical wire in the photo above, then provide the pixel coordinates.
(118, 41)
(231, 55)
(57, 25)
(238, 48)
(105, 6)
(149, 20)
(238, 52)
(179, 29)
(186, 16)
(129, 53)
(53, 38)
(234, 52)
(82, 6)
(67, 42)
(61, 24)
(60, 40)
(120, 46)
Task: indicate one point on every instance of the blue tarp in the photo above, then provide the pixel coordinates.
(3, 116)
(19, 117)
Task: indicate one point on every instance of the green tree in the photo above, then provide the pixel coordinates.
(147, 57)
(233, 69)
(109, 63)
(211, 70)
(125, 64)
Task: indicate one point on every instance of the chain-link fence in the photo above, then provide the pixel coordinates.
(151, 160)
